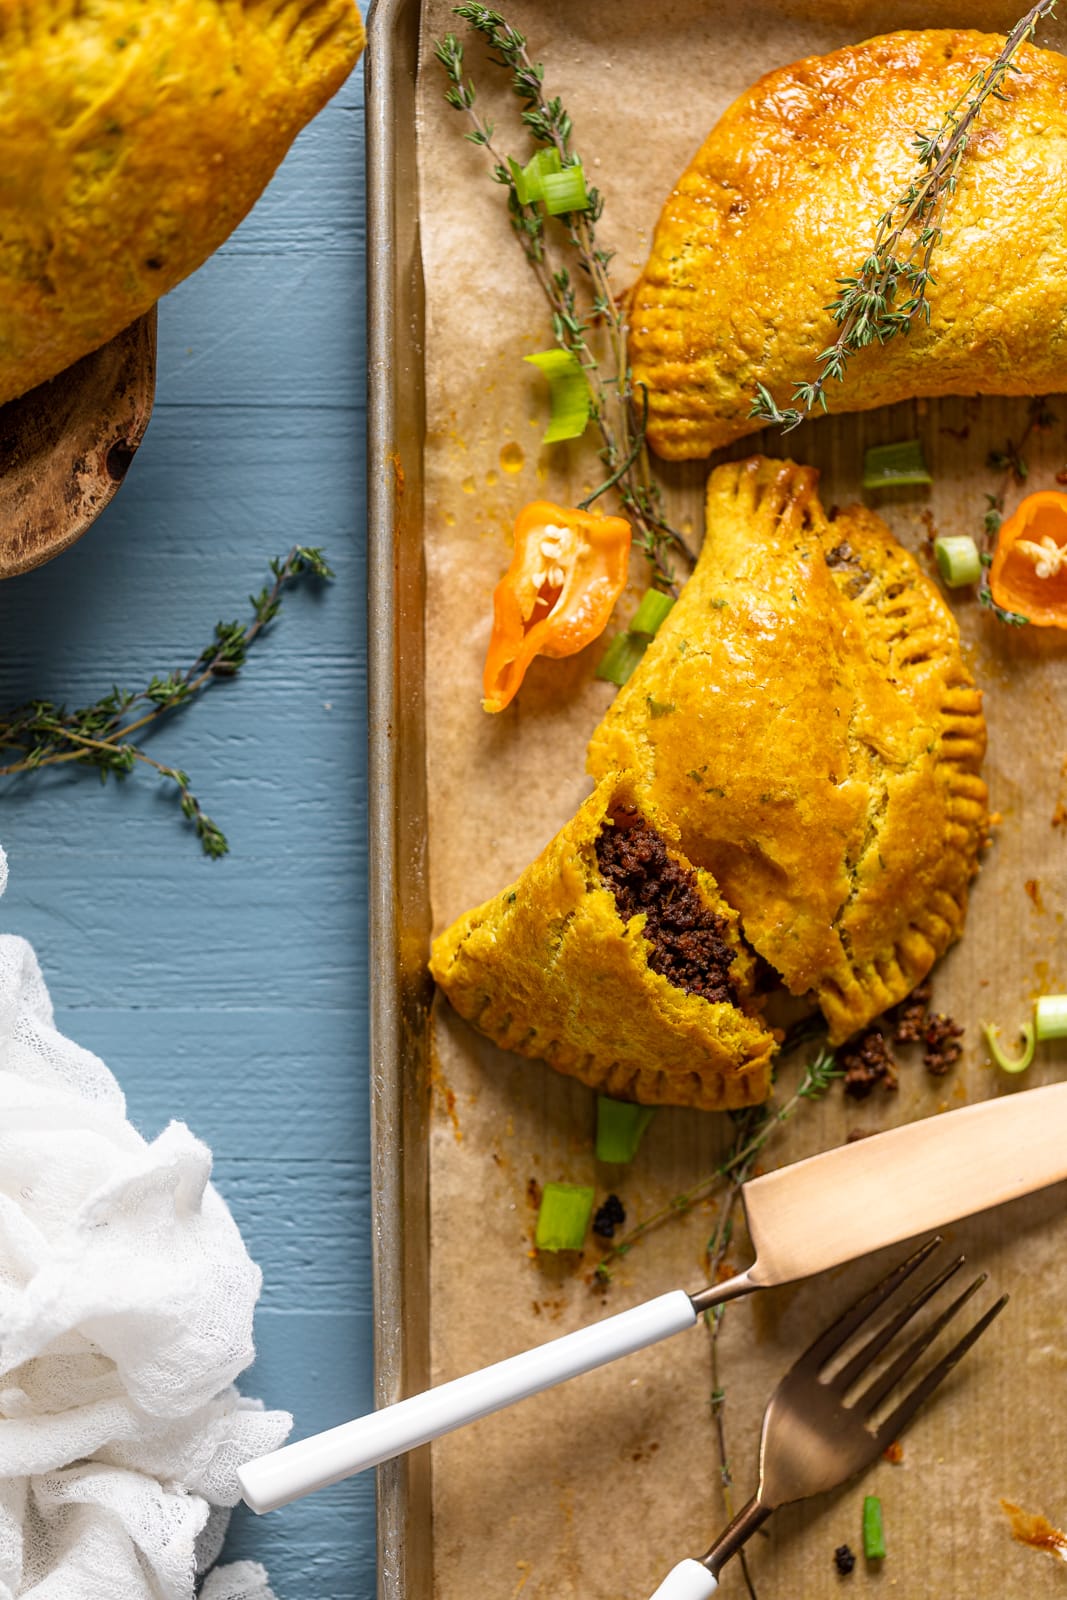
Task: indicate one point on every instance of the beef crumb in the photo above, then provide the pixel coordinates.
(844, 1560)
(866, 1061)
(688, 940)
(941, 1038)
(909, 1017)
(609, 1216)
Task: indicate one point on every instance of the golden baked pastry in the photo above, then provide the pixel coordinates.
(783, 199)
(617, 962)
(804, 719)
(133, 139)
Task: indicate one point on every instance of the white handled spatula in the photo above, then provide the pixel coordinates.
(802, 1219)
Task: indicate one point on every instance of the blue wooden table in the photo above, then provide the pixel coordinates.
(232, 994)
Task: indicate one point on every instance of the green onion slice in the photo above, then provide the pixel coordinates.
(620, 1127)
(626, 649)
(528, 180)
(569, 395)
(1050, 1016)
(654, 609)
(958, 560)
(873, 1529)
(621, 658)
(1005, 1062)
(563, 1217)
(565, 191)
(886, 466)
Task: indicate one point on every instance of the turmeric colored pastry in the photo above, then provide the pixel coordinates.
(783, 200)
(805, 721)
(617, 962)
(133, 138)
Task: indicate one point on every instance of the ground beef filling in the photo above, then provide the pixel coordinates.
(688, 943)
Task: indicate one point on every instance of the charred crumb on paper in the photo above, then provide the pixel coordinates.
(909, 1017)
(926, 517)
(866, 1062)
(844, 1560)
(608, 1217)
(942, 1047)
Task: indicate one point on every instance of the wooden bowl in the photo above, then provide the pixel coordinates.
(65, 446)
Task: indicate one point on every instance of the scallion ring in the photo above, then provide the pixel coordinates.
(621, 658)
(569, 398)
(564, 191)
(626, 649)
(1050, 1016)
(873, 1529)
(654, 609)
(620, 1127)
(958, 560)
(1005, 1062)
(890, 466)
(563, 1216)
(528, 180)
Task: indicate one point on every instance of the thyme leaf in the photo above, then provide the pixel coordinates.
(578, 304)
(44, 734)
(748, 1125)
(888, 292)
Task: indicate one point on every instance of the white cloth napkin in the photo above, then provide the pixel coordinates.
(126, 1299)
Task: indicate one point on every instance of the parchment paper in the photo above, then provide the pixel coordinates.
(596, 1489)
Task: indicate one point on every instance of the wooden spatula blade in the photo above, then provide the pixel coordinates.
(860, 1197)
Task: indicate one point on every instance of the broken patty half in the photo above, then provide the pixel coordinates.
(617, 961)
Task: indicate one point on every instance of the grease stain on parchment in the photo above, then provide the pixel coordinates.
(1035, 1530)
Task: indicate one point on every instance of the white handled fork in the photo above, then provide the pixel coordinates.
(812, 1439)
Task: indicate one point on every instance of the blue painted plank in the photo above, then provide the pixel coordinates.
(310, 1059)
(233, 994)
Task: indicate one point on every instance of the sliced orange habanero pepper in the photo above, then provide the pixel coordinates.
(567, 571)
(1029, 569)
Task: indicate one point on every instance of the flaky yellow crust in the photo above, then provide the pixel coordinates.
(549, 969)
(133, 139)
(805, 720)
(783, 199)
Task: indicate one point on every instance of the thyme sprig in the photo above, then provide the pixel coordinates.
(754, 1127)
(1012, 463)
(818, 1075)
(748, 1123)
(889, 292)
(44, 734)
(578, 305)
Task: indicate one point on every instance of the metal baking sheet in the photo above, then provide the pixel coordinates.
(536, 1526)
(400, 989)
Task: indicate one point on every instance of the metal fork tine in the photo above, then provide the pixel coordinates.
(844, 1379)
(876, 1392)
(907, 1408)
(813, 1440)
(835, 1336)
